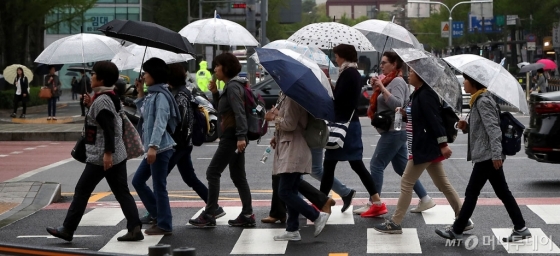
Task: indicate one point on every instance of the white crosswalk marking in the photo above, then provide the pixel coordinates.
(538, 243)
(548, 213)
(102, 217)
(260, 241)
(407, 242)
(136, 247)
(339, 218)
(439, 215)
(231, 213)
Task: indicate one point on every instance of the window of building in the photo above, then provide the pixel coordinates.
(91, 20)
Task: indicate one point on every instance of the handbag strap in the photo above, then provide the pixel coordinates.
(349, 120)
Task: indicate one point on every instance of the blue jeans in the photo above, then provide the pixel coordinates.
(317, 172)
(156, 202)
(51, 105)
(182, 158)
(391, 147)
(288, 192)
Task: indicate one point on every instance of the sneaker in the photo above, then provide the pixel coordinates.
(388, 227)
(517, 236)
(242, 221)
(320, 222)
(362, 209)
(49, 118)
(54, 118)
(13, 115)
(448, 233)
(203, 220)
(374, 211)
(147, 219)
(347, 200)
(470, 226)
(22, 116)
(288, 236)
(134, 235)
(219, 213)
(155, 230)
(422, 206)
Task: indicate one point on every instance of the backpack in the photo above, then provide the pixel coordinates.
(450, 119)
(199, 127)
(316, 132)
(183, 132)
(512, 130)
(255, 111)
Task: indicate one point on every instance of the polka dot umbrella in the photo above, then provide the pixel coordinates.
(326, 35)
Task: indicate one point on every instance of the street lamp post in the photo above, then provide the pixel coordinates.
(450, 12)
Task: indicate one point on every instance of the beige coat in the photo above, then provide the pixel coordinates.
(292, 155)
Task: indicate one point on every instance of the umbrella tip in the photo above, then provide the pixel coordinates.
(215, 13)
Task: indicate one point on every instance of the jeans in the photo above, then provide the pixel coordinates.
(391, 147)
(156, 202)
(182, 158)
(317, 172)
(17, 99)
(278, 207)
(116, 178)
(482, 172)
(225, 155)
(288, 192)
(51, 106)
(356, 165)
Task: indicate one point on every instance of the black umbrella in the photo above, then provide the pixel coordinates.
(43, 69)
(531, 67)
(71, 74)
(79, 68)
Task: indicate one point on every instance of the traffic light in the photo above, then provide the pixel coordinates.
(239, 6)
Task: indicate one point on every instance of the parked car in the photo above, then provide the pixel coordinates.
(542, 137)
(243, 72)
(466, 96)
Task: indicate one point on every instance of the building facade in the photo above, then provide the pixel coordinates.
(354, 9)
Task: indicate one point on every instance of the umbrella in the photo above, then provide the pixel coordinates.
(548, 64)
(531, 67)
(218, 31)
(298, 82)
(43, 69)
(71, 73)
(387, 35)
(131, 57)
(436, 73)
(79, 48)
(521, 64)
(310, 52)
(326, 35)
(492, 75)
(10, 73)
(79, 68)
(317, 71)
(147, 34)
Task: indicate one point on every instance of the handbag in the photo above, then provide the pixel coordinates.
(45, 93)
(79, 150)
(337, 133)
(383, 120)
(131, 138)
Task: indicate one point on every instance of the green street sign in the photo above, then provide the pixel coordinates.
(500, 20)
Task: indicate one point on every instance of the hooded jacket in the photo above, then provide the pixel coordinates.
(203, 76)
(231, 107)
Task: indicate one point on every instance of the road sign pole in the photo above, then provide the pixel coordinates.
(450, 32)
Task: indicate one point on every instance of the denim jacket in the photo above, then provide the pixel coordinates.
(154, 110)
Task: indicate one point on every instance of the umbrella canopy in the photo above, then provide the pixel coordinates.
(492, 75)
(147, 34)
(79, 68)
(10, 73)
(298, 82)
(387, 35)
(531, 67)
(548, 64)
(131, 57)
(326, 35)
(43, 69)
(309, 52)
(436, 73)
(521, 64)
(79, 48)
(218, 31)
(71, 73)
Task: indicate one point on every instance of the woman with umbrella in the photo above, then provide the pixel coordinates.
(346, 94)
(22, 92)
(485, 151)
(542, 82)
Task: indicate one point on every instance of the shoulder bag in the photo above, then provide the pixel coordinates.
(337, 133)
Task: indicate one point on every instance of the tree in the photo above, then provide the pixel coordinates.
(307, 6)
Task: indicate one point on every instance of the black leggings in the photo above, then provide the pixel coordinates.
(358, 167)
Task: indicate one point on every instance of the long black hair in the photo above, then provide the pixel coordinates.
(22, 73)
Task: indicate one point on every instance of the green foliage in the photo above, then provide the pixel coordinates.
(7, 98)
(307, 6)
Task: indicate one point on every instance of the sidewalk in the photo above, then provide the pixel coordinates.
(21, 199)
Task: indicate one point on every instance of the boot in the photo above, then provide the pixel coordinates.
(134, 235)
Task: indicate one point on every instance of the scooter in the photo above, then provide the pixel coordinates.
(203, 101)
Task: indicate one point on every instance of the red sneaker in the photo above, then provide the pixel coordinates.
(374, 211)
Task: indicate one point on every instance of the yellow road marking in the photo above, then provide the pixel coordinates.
(96, 197)
(335, 195)
(338, 254)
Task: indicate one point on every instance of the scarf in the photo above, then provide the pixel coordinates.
(347, 65)
(101, 90)
(373, 99)
(174, 114)
(475, 95)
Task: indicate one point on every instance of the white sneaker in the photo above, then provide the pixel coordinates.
(422, 206)
(320, 222)
(362, 209)
(288, 236)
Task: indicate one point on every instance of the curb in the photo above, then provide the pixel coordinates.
(34, 201)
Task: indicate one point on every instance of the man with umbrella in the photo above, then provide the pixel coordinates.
(85, 88)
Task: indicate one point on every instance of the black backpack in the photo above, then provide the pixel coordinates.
(449, 120)
(182, 133)
(512, 131)
(200, 127)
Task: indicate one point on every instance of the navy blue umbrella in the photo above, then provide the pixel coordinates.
(298, 82)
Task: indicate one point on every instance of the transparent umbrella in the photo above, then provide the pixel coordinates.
(216, 31)
(492, 75)
(436, 73)
(79, 48)
(131, 57)
(387, 35)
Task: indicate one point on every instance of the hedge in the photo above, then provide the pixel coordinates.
(7, 98)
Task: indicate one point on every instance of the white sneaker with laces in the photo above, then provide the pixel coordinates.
(320, 222)
(422, 206)
(362, 209)
(288, 236)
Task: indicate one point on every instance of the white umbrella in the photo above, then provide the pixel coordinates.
(308, 63)
(387, 35)
(79, 48)
(521, 64)
(326, 35)
(310, 52)
(218, 31)
(10, 73)
(492, 75)
(131, 57)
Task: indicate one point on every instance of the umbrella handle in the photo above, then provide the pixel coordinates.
(142, 65)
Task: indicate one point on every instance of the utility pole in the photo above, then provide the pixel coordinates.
(200, 9)
(264, 17)
(251, 27)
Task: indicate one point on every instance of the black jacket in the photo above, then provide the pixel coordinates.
(428, 132)
(24, 84)
(346, 95)
(85, 82)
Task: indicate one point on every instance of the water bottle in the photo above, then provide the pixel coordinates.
(398, 121)
(509, 132)
(254, 112)
(266, 154)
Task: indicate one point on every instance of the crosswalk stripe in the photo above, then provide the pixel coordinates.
(102, 217)
(260, 241)
(136, 247)
(538, 243)
(548, 213)
(231, 213)
(339, 218)
(407, 242)
(439, 215)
